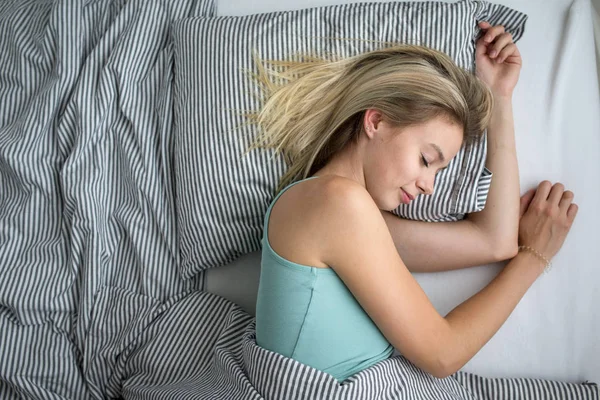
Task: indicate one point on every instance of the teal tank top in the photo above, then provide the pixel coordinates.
(308, 314)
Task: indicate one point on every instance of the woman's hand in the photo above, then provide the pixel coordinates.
(547, 214)
(497, 59)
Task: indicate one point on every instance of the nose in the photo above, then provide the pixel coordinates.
(425, 184)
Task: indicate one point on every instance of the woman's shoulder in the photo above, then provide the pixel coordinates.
(336, 193)
(319, 195)
(338, 190)
(305, 216)
(323, 192)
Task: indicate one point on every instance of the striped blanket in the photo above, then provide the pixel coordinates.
(92, 304)
(167, 359)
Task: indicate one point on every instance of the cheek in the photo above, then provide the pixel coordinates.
(407, 170)
(384, 181)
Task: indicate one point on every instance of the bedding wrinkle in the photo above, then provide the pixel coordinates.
(97, 97)
(560, 70)
(88, 95)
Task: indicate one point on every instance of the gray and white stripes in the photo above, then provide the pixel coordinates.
(168, 361)
(86, 198)
(92, 304)
(222, 196)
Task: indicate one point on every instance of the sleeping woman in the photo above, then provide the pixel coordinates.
(362, 135)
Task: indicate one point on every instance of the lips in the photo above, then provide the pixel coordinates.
(405, 197)
(410, 197)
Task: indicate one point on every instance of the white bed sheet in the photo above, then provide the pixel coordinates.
(554, 332)
(596, 21)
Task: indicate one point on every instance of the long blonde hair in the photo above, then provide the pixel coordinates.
(313, 107)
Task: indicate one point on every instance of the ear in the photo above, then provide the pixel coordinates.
(371, 121)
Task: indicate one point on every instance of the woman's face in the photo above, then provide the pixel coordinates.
(406, 160)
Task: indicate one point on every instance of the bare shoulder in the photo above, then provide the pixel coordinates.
(340, 226)
(349, 210)
(345, 207)
(306, 216)
(345, 195)
(343, 200)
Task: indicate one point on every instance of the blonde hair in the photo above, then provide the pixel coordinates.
(313, 107)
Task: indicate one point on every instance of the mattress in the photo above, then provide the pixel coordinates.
(596, 20)
(553, 332)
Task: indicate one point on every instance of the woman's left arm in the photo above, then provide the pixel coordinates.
(492, 234)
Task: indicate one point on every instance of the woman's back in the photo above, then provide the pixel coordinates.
(304, 311)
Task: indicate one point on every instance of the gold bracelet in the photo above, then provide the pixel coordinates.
(539, 255)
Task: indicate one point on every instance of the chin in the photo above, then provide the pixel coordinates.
(393, 206)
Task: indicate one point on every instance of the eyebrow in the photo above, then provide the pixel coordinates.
(439, 151)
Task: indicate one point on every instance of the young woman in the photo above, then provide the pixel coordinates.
(365, 134)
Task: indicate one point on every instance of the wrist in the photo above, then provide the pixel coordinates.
(532, 260)
(502, 97)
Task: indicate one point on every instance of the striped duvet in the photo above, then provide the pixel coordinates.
(92, 304)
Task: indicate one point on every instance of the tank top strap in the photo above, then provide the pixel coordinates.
(268, 213)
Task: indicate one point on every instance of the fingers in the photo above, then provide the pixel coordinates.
(566, 206)
(491, 32)
(480, 48)
(572, 212)
(499, 44)
(556, 193)
(525, 201)
(506, 52)
(556, 196)
(565, 200)
(542, 192)
(481, 44)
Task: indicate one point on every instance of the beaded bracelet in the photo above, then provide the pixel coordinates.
(539, 255)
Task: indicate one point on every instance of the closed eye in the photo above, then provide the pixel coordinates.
(424, 161)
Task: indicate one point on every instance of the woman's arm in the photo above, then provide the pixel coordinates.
(491, 234)
(483, 237)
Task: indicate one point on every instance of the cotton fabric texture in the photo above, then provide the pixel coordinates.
(221, 197)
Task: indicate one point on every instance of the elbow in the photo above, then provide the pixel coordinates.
(440, 365)
(447, 361)
(452, 356)
(439, 355)
(446, 368)
(504, 249)
(443, 370)
(441, 374)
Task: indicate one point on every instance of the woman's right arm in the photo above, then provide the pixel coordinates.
(359, 247)
(475, 321)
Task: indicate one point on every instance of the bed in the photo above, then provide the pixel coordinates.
(92, 301)
(557, 117)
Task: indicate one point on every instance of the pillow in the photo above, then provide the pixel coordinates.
(222, 196)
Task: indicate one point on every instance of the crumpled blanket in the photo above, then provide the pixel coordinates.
(202, 346)
(91, 301)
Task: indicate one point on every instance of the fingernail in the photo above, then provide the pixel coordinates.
(493, 53)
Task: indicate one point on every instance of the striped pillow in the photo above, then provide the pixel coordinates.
(222, 197)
